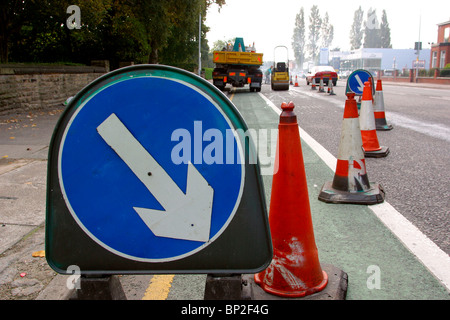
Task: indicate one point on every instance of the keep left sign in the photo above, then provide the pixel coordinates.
(119, 189)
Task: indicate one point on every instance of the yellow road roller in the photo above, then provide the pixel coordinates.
(280, 71)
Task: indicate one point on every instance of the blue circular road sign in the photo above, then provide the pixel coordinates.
(144, 169)
(355, 82)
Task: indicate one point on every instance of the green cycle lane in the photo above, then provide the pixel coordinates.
(350, 237)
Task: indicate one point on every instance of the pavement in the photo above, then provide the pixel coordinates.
(418, 85)
(24, 141)
(350, 237)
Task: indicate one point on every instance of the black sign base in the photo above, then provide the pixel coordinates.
(227, 287)
(99, 288)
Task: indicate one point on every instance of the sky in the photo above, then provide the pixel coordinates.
(269, 23)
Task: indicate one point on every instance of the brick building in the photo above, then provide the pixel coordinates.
(440, 51)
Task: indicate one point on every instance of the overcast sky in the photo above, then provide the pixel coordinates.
(269, 23)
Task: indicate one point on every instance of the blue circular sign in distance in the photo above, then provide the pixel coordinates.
(356, 81)
(101, 191)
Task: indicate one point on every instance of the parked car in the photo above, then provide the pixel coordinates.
(326, 72)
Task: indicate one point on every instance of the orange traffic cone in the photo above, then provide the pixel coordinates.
(290, 81)
(296, 82)
(351, 183)
(330, 88)
(371, 146)
(378, 108)
(295, 270)
(371, 85)
(313, 84)
(321, 88)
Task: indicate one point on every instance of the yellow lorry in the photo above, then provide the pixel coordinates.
(238, 67)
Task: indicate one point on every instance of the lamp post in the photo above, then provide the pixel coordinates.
(200, 45)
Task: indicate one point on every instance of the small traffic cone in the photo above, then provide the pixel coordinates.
(378, 109)
(371, 146)
(330, 88)
(321, 88)
(313, 84)
(290, 81)
(351, 183)
(295, 270)
(371, 90)
(296, 82)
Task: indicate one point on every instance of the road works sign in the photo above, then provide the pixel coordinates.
(147, 174)
(355, 82)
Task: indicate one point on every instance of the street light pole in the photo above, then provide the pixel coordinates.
(200, 45)
(418, 50)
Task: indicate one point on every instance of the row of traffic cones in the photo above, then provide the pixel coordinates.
(358, 140)
(378, 108)
(330, 90)
(292, 83)
(295, 269)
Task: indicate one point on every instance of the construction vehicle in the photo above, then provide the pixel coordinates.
(238, 66)
(280, 71)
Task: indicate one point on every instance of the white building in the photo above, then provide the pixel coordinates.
(373, 59)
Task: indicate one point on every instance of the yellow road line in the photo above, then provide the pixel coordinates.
(159, 287)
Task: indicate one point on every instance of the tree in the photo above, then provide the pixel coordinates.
(154, 16)
(315, 23)
(109, 30)
(169, 30)
(372, 37)
(221, 44)
(327, 32)
(385, 32)
(356, 32)
(182, 44)
(13, 15)
(298, 38)
(117, 30)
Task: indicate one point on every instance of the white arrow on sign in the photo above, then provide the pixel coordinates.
(361, 84)
(186, 216)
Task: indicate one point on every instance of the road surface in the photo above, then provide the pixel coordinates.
(351, 237)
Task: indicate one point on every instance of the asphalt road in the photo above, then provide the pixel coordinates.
(415, 174)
